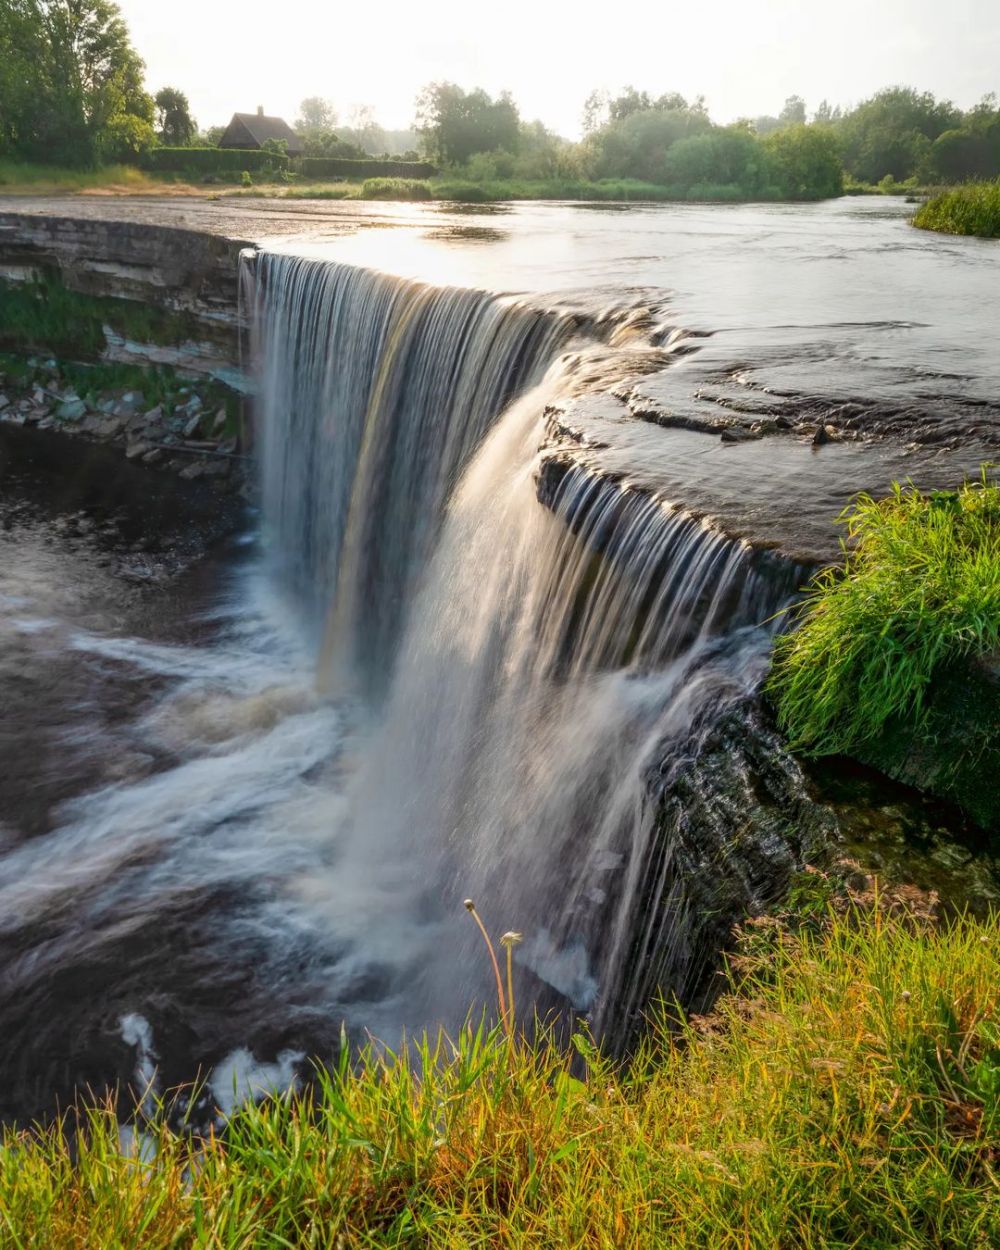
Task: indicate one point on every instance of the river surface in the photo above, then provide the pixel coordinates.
(175, 763)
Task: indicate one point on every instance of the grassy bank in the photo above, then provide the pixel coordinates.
(21, 179)
(920, 589)
(973, 209)
(459, 190)
(17, 178)
(844, 1094)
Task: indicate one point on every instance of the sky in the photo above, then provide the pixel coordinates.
(744, 56)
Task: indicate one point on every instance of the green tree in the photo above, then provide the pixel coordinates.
(804, 162)
(316, 124)
(454, 124)
(22, 75)
(174, 123)
(71, 85)
(90, 44)
(967, 154)
(723, 157)
(630, 101)
(364, 128)
(595, 111)
(891, 134)
(636, 146)
(827, 114)
(765, 125)
(972, 150)
(315, 113)
(794, 112)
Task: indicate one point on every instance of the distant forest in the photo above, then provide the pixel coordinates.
(73, 93)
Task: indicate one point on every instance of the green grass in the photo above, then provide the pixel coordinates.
(972, 209)
(17, 178)
(919, 590)
(845, 1094)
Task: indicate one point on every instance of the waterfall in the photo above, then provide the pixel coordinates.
(538, 650)
(376, 393)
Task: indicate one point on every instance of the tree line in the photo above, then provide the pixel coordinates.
(898, 134)
(72, 92)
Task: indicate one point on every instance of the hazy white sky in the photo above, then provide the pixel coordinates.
(745, 56)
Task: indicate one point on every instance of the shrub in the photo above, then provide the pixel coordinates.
(973, 209)
(920, 589)
(338, 167)
(490, 166)
(212, 161)
(721, 158)
(395, 189)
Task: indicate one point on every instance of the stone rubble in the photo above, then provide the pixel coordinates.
(180, 436)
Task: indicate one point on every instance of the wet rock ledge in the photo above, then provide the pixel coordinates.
(185, 273)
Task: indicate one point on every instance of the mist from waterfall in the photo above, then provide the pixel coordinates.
(523, 671)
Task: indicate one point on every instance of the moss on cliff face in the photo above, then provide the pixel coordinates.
(45, 315)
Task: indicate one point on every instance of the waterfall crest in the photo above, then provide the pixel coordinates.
(528, 666)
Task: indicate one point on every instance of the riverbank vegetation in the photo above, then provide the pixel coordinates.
(463, 191)
(24, 178)
(973, 209)
(918, 592)
(844, 1092)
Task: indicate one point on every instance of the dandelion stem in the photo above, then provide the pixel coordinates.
(470, 907)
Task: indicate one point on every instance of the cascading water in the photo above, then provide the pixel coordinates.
(376, 394)
(526, 665)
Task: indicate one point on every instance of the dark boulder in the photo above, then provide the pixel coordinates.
(955, 753)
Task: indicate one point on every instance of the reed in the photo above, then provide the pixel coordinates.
(973, 209)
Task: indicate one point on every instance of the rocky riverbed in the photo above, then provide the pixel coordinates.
(192, 430)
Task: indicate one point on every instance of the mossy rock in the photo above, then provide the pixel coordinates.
(955, 754)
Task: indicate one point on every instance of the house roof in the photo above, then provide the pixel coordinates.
(260, 129)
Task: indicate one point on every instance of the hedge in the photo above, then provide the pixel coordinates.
(341, 167)
(212, 161)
